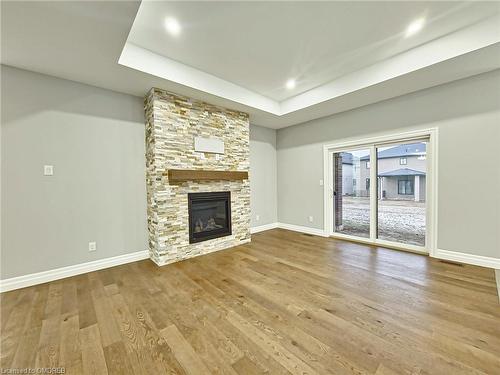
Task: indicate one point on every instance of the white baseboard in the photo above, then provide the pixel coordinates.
(454, 256)
(262, 228)
(295, 228)
(299, 228)
(77, 269)
(476, 260)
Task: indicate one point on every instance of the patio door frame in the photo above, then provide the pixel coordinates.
(431, 137)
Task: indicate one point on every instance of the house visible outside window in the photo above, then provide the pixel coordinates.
(402, 161)
(353, 182)
(367, 165)
(367, 184)
(405, 187)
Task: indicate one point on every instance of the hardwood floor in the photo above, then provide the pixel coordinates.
(284, 303)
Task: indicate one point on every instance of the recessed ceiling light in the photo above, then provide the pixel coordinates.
(415, 27)
(172, 25)
(290, 84)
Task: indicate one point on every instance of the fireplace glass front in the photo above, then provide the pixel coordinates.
(209, 215)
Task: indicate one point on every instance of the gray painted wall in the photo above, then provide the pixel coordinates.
(467, 113)
(263, 177)
(95, 140)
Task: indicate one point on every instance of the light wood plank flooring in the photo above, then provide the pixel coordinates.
(284, 303)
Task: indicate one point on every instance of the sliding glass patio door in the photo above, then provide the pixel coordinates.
(379, 192)
(401, 193)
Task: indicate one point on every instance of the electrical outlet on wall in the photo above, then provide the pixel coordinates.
(92, 246)
(257, 217)
(310, 219)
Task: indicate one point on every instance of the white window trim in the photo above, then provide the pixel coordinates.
(431, 187)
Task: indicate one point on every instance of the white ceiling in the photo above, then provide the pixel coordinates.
(239, 55)
(260, 45)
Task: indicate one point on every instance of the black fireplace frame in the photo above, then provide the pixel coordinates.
(204, 197)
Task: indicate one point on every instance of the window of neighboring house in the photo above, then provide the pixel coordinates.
(405, 187)
(367, 184)
(402, 161)
(353, 182)
(367, 165)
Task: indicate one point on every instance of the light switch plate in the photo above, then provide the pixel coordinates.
(48, 170)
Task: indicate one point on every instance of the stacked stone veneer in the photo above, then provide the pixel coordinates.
(172, 123)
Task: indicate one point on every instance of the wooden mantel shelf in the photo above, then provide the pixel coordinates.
(200, 174)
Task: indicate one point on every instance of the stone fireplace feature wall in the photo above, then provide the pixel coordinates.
(172, 123)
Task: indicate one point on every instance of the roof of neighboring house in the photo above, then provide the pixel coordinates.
(346, 158)
(413, 149)
(402, 172)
